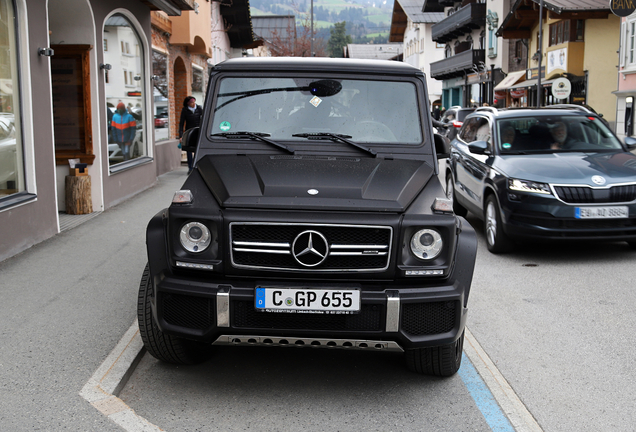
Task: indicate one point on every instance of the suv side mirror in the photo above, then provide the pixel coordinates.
(630, 142)
(478, 147)
(442, 147)
(189, 139)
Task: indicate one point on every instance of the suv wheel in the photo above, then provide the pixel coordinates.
(496, 240)
(440, 361)
(450, 194)
(162, 346)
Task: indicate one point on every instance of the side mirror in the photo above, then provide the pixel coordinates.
(442, 147)
(630, 142)
(478, 147)
(190, 139)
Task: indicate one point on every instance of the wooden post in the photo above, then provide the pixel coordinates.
(78, 195)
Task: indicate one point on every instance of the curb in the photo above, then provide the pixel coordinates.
(109, 379)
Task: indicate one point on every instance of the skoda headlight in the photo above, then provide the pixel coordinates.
(426, 244)
(528, 186)
(195, 237)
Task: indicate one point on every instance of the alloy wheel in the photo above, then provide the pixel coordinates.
(491, 223)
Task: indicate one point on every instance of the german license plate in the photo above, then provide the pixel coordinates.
(307, 300)
(615, 212)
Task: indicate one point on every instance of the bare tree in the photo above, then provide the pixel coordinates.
(297, 41)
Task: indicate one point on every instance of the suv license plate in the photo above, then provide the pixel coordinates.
(615, 212)
(307, 300)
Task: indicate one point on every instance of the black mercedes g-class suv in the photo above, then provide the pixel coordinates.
(314, 217)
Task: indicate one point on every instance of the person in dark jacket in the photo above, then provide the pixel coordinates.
(190, 117)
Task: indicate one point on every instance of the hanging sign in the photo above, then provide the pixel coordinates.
(622, 8)
(561, 88)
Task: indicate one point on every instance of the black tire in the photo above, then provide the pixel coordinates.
(162, 346)
(442, 361)
(459, 209)
(496, 239)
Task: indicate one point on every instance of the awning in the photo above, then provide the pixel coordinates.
(531, 83)
(511, 79)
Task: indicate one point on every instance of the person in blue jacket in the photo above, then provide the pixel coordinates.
(123, 129)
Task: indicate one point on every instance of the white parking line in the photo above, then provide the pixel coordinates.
(513, 408)
(102, 388)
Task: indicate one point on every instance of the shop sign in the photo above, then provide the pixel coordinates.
(561, 88)
(622, 8)
(134, 93)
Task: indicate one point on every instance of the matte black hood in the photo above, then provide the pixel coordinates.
(342, 183)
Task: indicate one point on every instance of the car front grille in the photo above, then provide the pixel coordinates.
(310, 248)
(588, 195)
(419, 319)
(244, 315)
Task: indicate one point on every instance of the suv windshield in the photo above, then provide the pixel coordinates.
(368, 111)
(548, 134)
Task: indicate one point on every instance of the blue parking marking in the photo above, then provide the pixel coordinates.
(483, 398)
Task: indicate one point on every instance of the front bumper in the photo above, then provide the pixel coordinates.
(390, 318)
(533, 216)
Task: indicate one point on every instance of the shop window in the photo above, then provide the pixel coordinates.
(125, 97)
(160, 95)
(12, 178)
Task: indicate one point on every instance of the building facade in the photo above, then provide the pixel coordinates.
(77, 85)
(413, 28)
(579, 42)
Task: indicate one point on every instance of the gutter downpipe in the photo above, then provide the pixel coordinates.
(540, 51)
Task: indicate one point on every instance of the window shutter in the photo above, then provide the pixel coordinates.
(625, 42)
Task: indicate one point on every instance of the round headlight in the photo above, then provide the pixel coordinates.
(426, 244)
(195, 237)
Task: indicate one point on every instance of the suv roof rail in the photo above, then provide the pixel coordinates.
(570, 106)
(488, 108)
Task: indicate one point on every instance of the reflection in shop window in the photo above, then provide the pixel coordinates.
(124, 95)
(160, 94)
(11, 152)
(197, 83)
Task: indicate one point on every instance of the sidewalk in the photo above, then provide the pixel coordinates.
(66, 302)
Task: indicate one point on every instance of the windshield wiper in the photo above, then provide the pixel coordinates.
(257, 136)
(335, 137)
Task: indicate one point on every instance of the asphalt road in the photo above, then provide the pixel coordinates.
(555, 319)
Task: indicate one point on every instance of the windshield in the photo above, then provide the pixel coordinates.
(367, 111)
(552, 134)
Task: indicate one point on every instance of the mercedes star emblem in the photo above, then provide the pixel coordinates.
(310, 248)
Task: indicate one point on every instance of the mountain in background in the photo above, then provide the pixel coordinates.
(368, 21)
